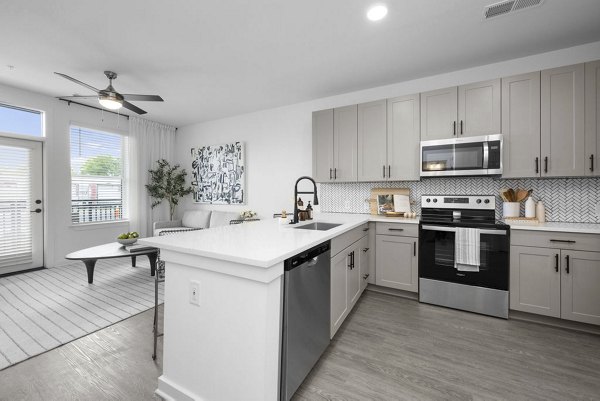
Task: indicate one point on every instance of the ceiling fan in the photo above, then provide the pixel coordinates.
(109, 97)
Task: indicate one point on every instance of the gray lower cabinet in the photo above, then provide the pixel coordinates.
(556, 282)
(397, 262)
(562, 121)
(521, 125)
(348, 267)
(592, 118)
(535, 280)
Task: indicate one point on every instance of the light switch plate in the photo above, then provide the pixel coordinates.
(195, 293)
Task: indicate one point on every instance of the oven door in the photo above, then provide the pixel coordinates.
(436, 257)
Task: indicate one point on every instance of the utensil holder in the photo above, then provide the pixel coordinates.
(511, 209)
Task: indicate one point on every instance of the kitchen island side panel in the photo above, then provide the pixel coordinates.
(226, 348)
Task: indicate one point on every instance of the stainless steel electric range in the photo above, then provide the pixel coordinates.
(484, 290)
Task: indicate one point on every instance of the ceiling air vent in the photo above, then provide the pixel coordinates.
(506, 7)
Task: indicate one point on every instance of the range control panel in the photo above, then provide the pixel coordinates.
(484, 202)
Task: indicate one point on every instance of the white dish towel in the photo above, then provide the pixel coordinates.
(466, 249)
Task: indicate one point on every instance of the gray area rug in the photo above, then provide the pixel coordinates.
(44, 309)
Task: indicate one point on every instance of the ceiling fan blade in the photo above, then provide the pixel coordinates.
(144, 98)
(79, 97)
(133, 108)
(77, 81)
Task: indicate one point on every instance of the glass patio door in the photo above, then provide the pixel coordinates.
(21, 205)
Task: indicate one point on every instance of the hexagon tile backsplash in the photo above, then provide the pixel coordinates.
(566, 199)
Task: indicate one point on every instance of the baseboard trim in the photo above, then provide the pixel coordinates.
(554, 322)
(169, 391)
(392, 291)
(22, 271)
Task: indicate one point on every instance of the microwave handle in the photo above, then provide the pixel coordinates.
(453, 229)
(486, 154)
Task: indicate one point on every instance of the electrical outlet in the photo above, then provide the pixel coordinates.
(195, 293)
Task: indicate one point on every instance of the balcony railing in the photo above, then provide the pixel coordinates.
(95, 210)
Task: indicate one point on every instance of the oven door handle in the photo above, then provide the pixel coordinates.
(453, 230)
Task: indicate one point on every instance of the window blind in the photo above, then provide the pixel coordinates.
(97, 176)
(15, 204)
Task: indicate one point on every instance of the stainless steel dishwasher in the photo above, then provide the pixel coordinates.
(306, 315)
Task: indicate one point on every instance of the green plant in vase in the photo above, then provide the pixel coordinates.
(167, 183)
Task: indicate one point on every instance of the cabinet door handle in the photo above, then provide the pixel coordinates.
(395, 229)
(592, 163)
(461, 127)
(330, 173)
(415, 248)
(384, 171)
(353, 259)
(537, 165)
(546, 164)
(567, 241)
(335, 173)
(389, 171)
(567, 268)
(454, 128)
(366, 276)
(365, 250)
(556, 262)
(350, 260)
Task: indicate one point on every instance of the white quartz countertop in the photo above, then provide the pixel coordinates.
(585, 228)
(262, 243)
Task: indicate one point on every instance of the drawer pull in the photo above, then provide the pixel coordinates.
(395, 229)
(366, 250)
(366, 276)
(366, 229)
(566, 241)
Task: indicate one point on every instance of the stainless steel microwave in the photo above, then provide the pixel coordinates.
(478, 155)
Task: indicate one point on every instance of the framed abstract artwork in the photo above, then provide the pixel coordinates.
(219, 174)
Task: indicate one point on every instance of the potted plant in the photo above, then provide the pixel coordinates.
(167, 183)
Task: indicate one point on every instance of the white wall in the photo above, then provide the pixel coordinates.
(279, 141)
(60, 236)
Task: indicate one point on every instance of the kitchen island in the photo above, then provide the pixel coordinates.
(227, 346)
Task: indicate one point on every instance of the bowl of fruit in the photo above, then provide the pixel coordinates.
(128, 238)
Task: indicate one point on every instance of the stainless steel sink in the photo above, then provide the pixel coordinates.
(320, 226)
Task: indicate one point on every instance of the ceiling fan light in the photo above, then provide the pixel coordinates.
(112, 104)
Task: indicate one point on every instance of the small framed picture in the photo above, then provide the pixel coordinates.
(385, 204)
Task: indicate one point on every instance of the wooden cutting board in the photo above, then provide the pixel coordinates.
(385, 191)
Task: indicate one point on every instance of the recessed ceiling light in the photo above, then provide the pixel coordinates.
(377, 12)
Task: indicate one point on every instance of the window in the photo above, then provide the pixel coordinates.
(97, 176)
(15, 120)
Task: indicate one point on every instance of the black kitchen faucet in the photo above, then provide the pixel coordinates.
(296, 193)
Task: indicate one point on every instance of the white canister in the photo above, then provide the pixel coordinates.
(530, 208)
(540, 212)
(511, 209)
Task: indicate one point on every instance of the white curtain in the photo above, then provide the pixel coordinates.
(149, 141)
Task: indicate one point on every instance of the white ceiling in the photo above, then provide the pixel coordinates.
(216, 58)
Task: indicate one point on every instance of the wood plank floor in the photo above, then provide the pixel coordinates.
(389, 349)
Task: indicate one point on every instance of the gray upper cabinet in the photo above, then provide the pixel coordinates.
(345, 144)
(335, 144)
(592, 117)
(562, 121)
(479, 108)
(403, 136)
(467, 110)
(372, 142)
(439, 113)
(322, 135)
(521, 125)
